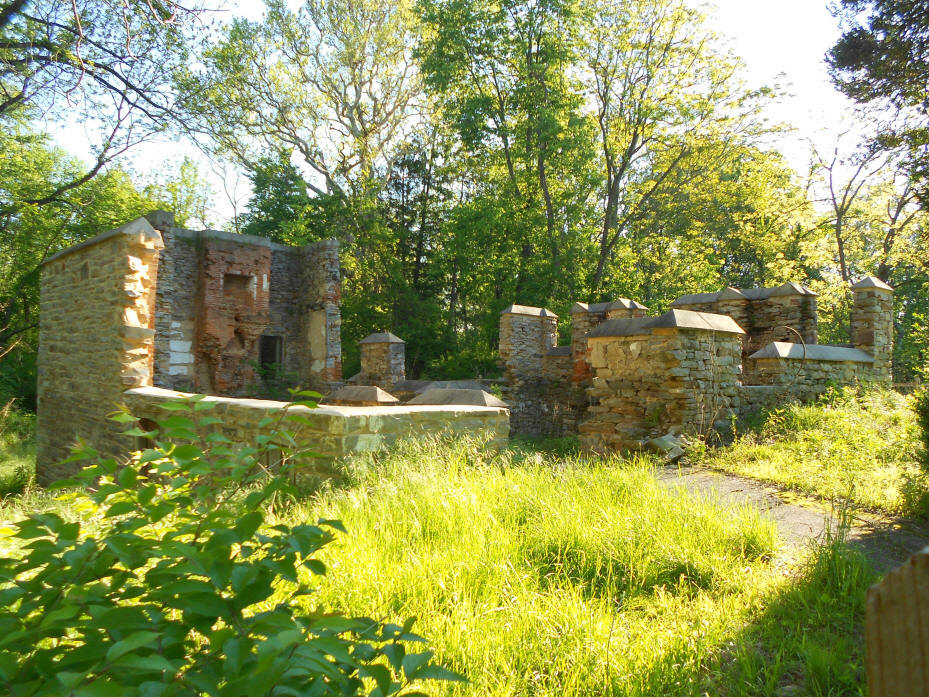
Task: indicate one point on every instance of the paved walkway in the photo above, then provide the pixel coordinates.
(886, 541)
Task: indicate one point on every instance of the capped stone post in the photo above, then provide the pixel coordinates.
(873, 324)
(383, 360)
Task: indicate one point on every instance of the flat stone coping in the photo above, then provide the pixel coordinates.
(528, 310)
(362, 393)
(382, 338)
(453, 397)
(139, 226)
(162, 394)
(559, 351)
(239, 238)
(600, 308)
(672, 319)
(731, 293)
(814, 352)
(423, 385)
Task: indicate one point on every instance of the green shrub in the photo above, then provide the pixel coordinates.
(921, 407)
(179, 585)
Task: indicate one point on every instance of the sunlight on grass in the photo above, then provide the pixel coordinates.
(17, 450)
(543, 576)
(860, 447)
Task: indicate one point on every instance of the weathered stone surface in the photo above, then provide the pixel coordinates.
(97, 313)
(766, 314)
(303, 292)
(816, 352)
(457, 396)
(361, 396)
(872, 324)
(336, 431)
(383, 360)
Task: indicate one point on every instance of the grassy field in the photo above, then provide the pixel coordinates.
(540, 575)
(547, 573)
(858, 447)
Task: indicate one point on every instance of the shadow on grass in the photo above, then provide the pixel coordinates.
(808, 639)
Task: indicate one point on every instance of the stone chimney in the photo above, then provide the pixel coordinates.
(383, 360)
(873, 325)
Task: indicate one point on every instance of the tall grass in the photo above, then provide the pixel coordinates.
(860, 446)
(535, 575)
(17, 449)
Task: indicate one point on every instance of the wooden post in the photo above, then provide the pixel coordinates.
(897, 631)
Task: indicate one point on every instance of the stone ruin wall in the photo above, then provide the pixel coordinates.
(96, 330)
(646, 385)
(149, 304)
(289, 284)
(617, 391)
(765, 317)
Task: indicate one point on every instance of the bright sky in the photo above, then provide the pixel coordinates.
(781, 42)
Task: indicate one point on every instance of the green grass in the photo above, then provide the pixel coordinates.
(549, 573)
(537, 575)
(861, 447)
(17, 449)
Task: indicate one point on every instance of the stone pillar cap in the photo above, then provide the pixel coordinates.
(871, 283)
(139, 226)
(528, 310)
(382, 338)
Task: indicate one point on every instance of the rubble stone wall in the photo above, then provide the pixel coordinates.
(873, 329)
(768, 319)
(96, 339)
(801, 379)
(383, 364)
(667, 380)
(298, 290)
(537, 387)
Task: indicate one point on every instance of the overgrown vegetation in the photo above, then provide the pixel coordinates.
(550, 573)
(921, 407)
(172, 582)
(858, 445)
(17, 449)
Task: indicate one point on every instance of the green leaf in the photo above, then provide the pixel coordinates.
(434, 672)
(132, 642)
(249, 524)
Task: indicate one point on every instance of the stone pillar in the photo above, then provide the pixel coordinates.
(383, 360)
(625, 309)
(584, 318)
(321, 318)
(96, 339)
(872, 324)
(526, 335)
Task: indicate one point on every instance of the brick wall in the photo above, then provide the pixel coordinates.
(96, 339)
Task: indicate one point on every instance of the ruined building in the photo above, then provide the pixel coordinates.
(626, 378)
(142, 313)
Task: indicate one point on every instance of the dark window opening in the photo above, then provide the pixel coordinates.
(270, 354)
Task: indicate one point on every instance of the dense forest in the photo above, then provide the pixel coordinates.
(468, 154)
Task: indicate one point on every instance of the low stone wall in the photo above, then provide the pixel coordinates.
(797, 378)
(336, 431)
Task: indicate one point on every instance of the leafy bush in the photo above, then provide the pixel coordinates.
(921, 406)
(180, 585)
